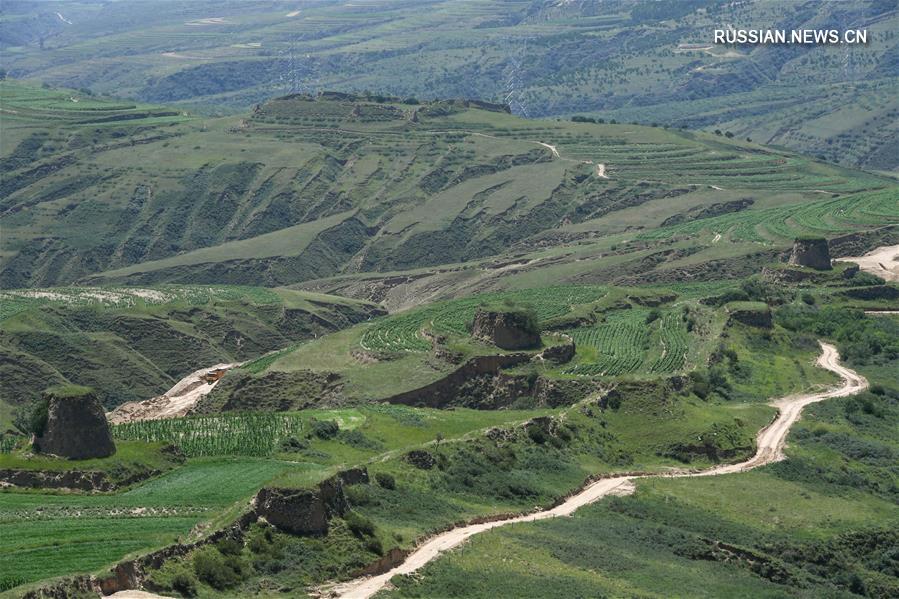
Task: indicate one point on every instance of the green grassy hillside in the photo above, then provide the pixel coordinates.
(134, 343)
(820, 524)
(634, 60)
(645, 262)
(661, 378)
(312, 187)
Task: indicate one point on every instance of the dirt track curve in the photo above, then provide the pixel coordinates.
(770, 444)
(882, 261)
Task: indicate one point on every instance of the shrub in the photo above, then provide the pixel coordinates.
(384, 480)
(358, 494)
(229, 547)
(185, 583)
(36, 421)
(293, 444)
(359, 525)
(325, 429)
(357, 439)
(374, 545)
(537, 435)
(218, 571)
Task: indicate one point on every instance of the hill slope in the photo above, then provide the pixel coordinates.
(134, 343)
(312, 187)
(634, 60)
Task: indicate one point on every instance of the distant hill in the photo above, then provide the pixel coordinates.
(307, 187)
(631, 60)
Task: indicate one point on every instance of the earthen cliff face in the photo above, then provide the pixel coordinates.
(507, 330)
(76, 428)
(812, 253)
(308, 511)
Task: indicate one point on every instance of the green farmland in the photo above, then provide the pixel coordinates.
(342, 278)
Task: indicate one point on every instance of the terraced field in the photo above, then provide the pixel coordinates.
(834, 104)
(49, 535)
(403, 332)
(674, 339)
(620, 343)
(691, 163)
(823, 217)
(26, 105)
(343, 183)
(626, 343)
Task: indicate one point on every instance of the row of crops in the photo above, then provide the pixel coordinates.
(249, 434)
(625, 343)
(404, 332)
(619, 345)
(701, 164)
(674, 338)
(824, 217)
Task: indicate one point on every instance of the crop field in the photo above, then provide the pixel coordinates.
(18, 300)
(620, 345)
(49, 535)
(404, 331)
(23, 104)
(7, 443)
(252, 434)
(674, 339)
(626, 343)
(823, 217)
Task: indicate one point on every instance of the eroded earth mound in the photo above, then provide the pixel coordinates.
(76, 426)
(507, 329)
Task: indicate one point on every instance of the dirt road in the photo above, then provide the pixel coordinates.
(770, 443)
(175, 402)
(551, 148)
(883, 262)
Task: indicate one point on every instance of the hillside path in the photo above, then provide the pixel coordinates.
(174, 403)
(883, 262)
(769, 448)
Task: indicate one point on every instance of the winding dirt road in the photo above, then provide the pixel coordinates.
(770, 444)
